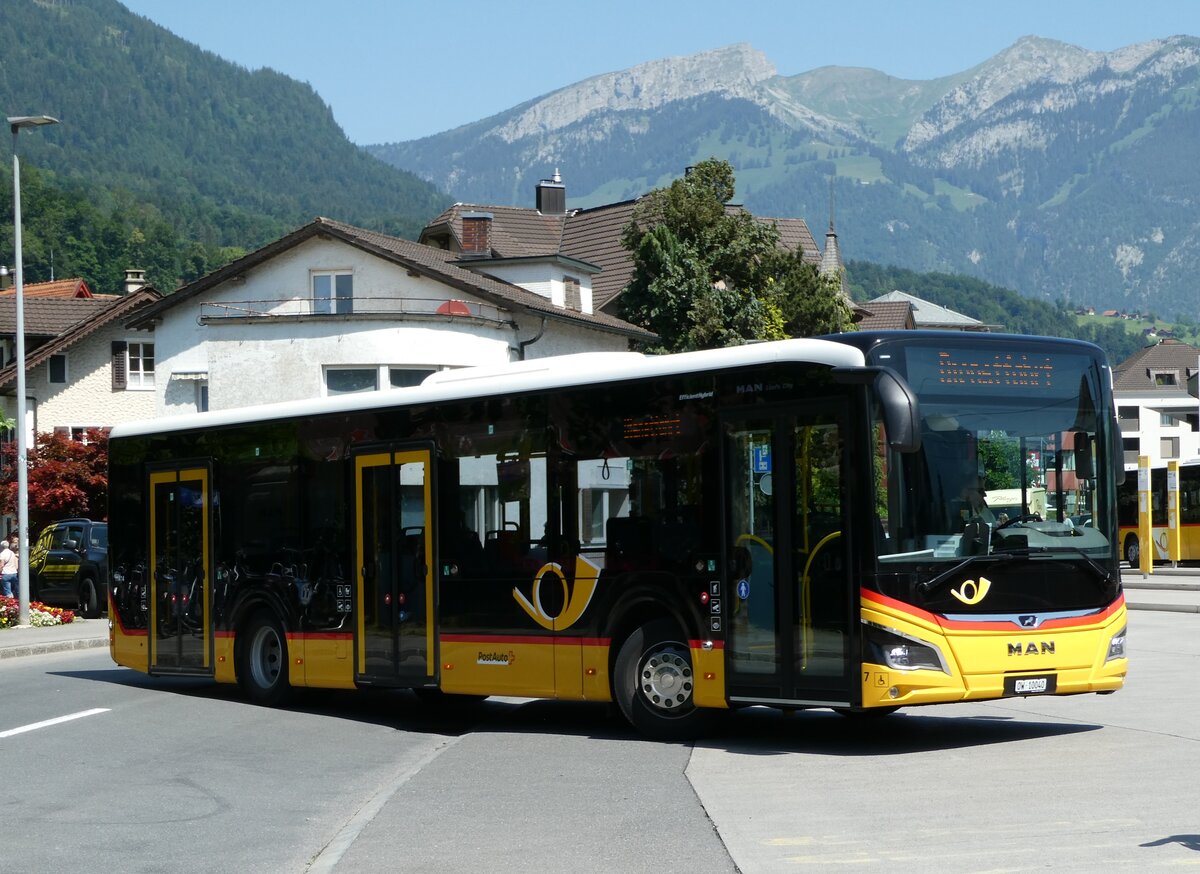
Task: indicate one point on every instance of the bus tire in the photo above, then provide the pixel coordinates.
(1133, 552)
(263, 660)
(653, 683)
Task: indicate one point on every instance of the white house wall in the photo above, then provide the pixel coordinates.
(248, 362)
(1151, 432)
(88, 397)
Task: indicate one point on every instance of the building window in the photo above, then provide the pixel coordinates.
(333, 292)
(350, 380)
(1165, 378)
(571, 293)
(58, 369)
(202, 397)
(139, 371)
(405, 377)
(1125, 412)
(1169, 447)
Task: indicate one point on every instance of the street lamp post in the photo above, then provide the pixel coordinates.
(17, 122)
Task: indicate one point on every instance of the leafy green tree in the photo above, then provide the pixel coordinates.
(707, 275)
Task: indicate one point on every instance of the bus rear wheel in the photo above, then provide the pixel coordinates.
(654, 682)
(1133, 552)
(263, 660)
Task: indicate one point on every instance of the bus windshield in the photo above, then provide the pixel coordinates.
(1012, 438)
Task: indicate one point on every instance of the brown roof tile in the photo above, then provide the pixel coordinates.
(58, 288)
(48, 316)
(885, 315)
(1136, 373)
(99, 313)
(592, 235)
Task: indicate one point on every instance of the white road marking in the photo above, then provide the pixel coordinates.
(49, 722)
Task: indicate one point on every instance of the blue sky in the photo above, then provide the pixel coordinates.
(396, 70)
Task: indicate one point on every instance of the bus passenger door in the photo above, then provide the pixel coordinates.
(180, 550)
(791, 602)
(394, 554)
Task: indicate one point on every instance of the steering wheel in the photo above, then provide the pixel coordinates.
(1027, 517)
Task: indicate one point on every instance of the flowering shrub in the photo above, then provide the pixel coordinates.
(39, 614)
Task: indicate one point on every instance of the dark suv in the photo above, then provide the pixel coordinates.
(68, 566)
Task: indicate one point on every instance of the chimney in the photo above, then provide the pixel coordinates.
(477, 234)
(134, 279)
(552, 196)
(6, 280)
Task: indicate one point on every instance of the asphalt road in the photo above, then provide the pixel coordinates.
(176, 775)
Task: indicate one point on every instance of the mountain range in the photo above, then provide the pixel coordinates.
(1064, 173)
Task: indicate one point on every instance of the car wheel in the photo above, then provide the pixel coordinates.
(653, 683)
(89, 599)
(263, 660)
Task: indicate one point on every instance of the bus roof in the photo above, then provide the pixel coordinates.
(585, 368)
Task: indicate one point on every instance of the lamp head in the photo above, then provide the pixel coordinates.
(16, 122)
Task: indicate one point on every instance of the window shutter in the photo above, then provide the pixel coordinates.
(119, 378)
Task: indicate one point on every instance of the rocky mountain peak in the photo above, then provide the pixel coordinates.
(733, 71)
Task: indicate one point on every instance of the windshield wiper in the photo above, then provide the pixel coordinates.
(1100, 570)
(930, 585)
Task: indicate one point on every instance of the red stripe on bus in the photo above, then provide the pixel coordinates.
(539, 640)
(318, 635)
(128, 632)
(992, 624)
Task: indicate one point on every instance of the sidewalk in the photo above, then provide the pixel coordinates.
(27, 640)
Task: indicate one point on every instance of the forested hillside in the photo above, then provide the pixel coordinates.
(992, 305)
(168, 157)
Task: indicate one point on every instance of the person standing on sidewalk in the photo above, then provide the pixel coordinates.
(8, 571)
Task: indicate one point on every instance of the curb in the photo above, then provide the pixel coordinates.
(13, 652)
(1165, 608)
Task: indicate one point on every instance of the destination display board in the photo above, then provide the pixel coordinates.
(1010, 373)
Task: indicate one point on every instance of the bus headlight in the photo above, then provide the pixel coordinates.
(1116, 646)
(886, 646)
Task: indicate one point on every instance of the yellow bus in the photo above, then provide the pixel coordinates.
(1189, 514)
(781, 524)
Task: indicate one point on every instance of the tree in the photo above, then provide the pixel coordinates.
(66, 478)
(707, 276)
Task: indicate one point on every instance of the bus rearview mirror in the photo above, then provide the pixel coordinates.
(901, 411)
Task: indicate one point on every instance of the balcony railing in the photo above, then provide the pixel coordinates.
(365, 308)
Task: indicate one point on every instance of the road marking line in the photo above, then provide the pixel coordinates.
(55, 721)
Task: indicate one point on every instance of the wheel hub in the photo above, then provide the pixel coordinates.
(666, 678)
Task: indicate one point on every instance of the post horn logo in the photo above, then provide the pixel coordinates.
(971, 592)
(575, 602)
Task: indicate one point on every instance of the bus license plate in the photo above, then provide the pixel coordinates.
(1030, 685)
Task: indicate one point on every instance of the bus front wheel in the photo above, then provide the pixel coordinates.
(1133, 552)
(654, 682)
(263, 661)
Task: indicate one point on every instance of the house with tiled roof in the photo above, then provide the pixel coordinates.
(331, 308)
(924, 315)
(1158, 407)
(885, 315)
(501, 240)
(81, 369)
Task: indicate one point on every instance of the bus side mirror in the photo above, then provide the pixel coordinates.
(901, 411)
(1083, 456)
